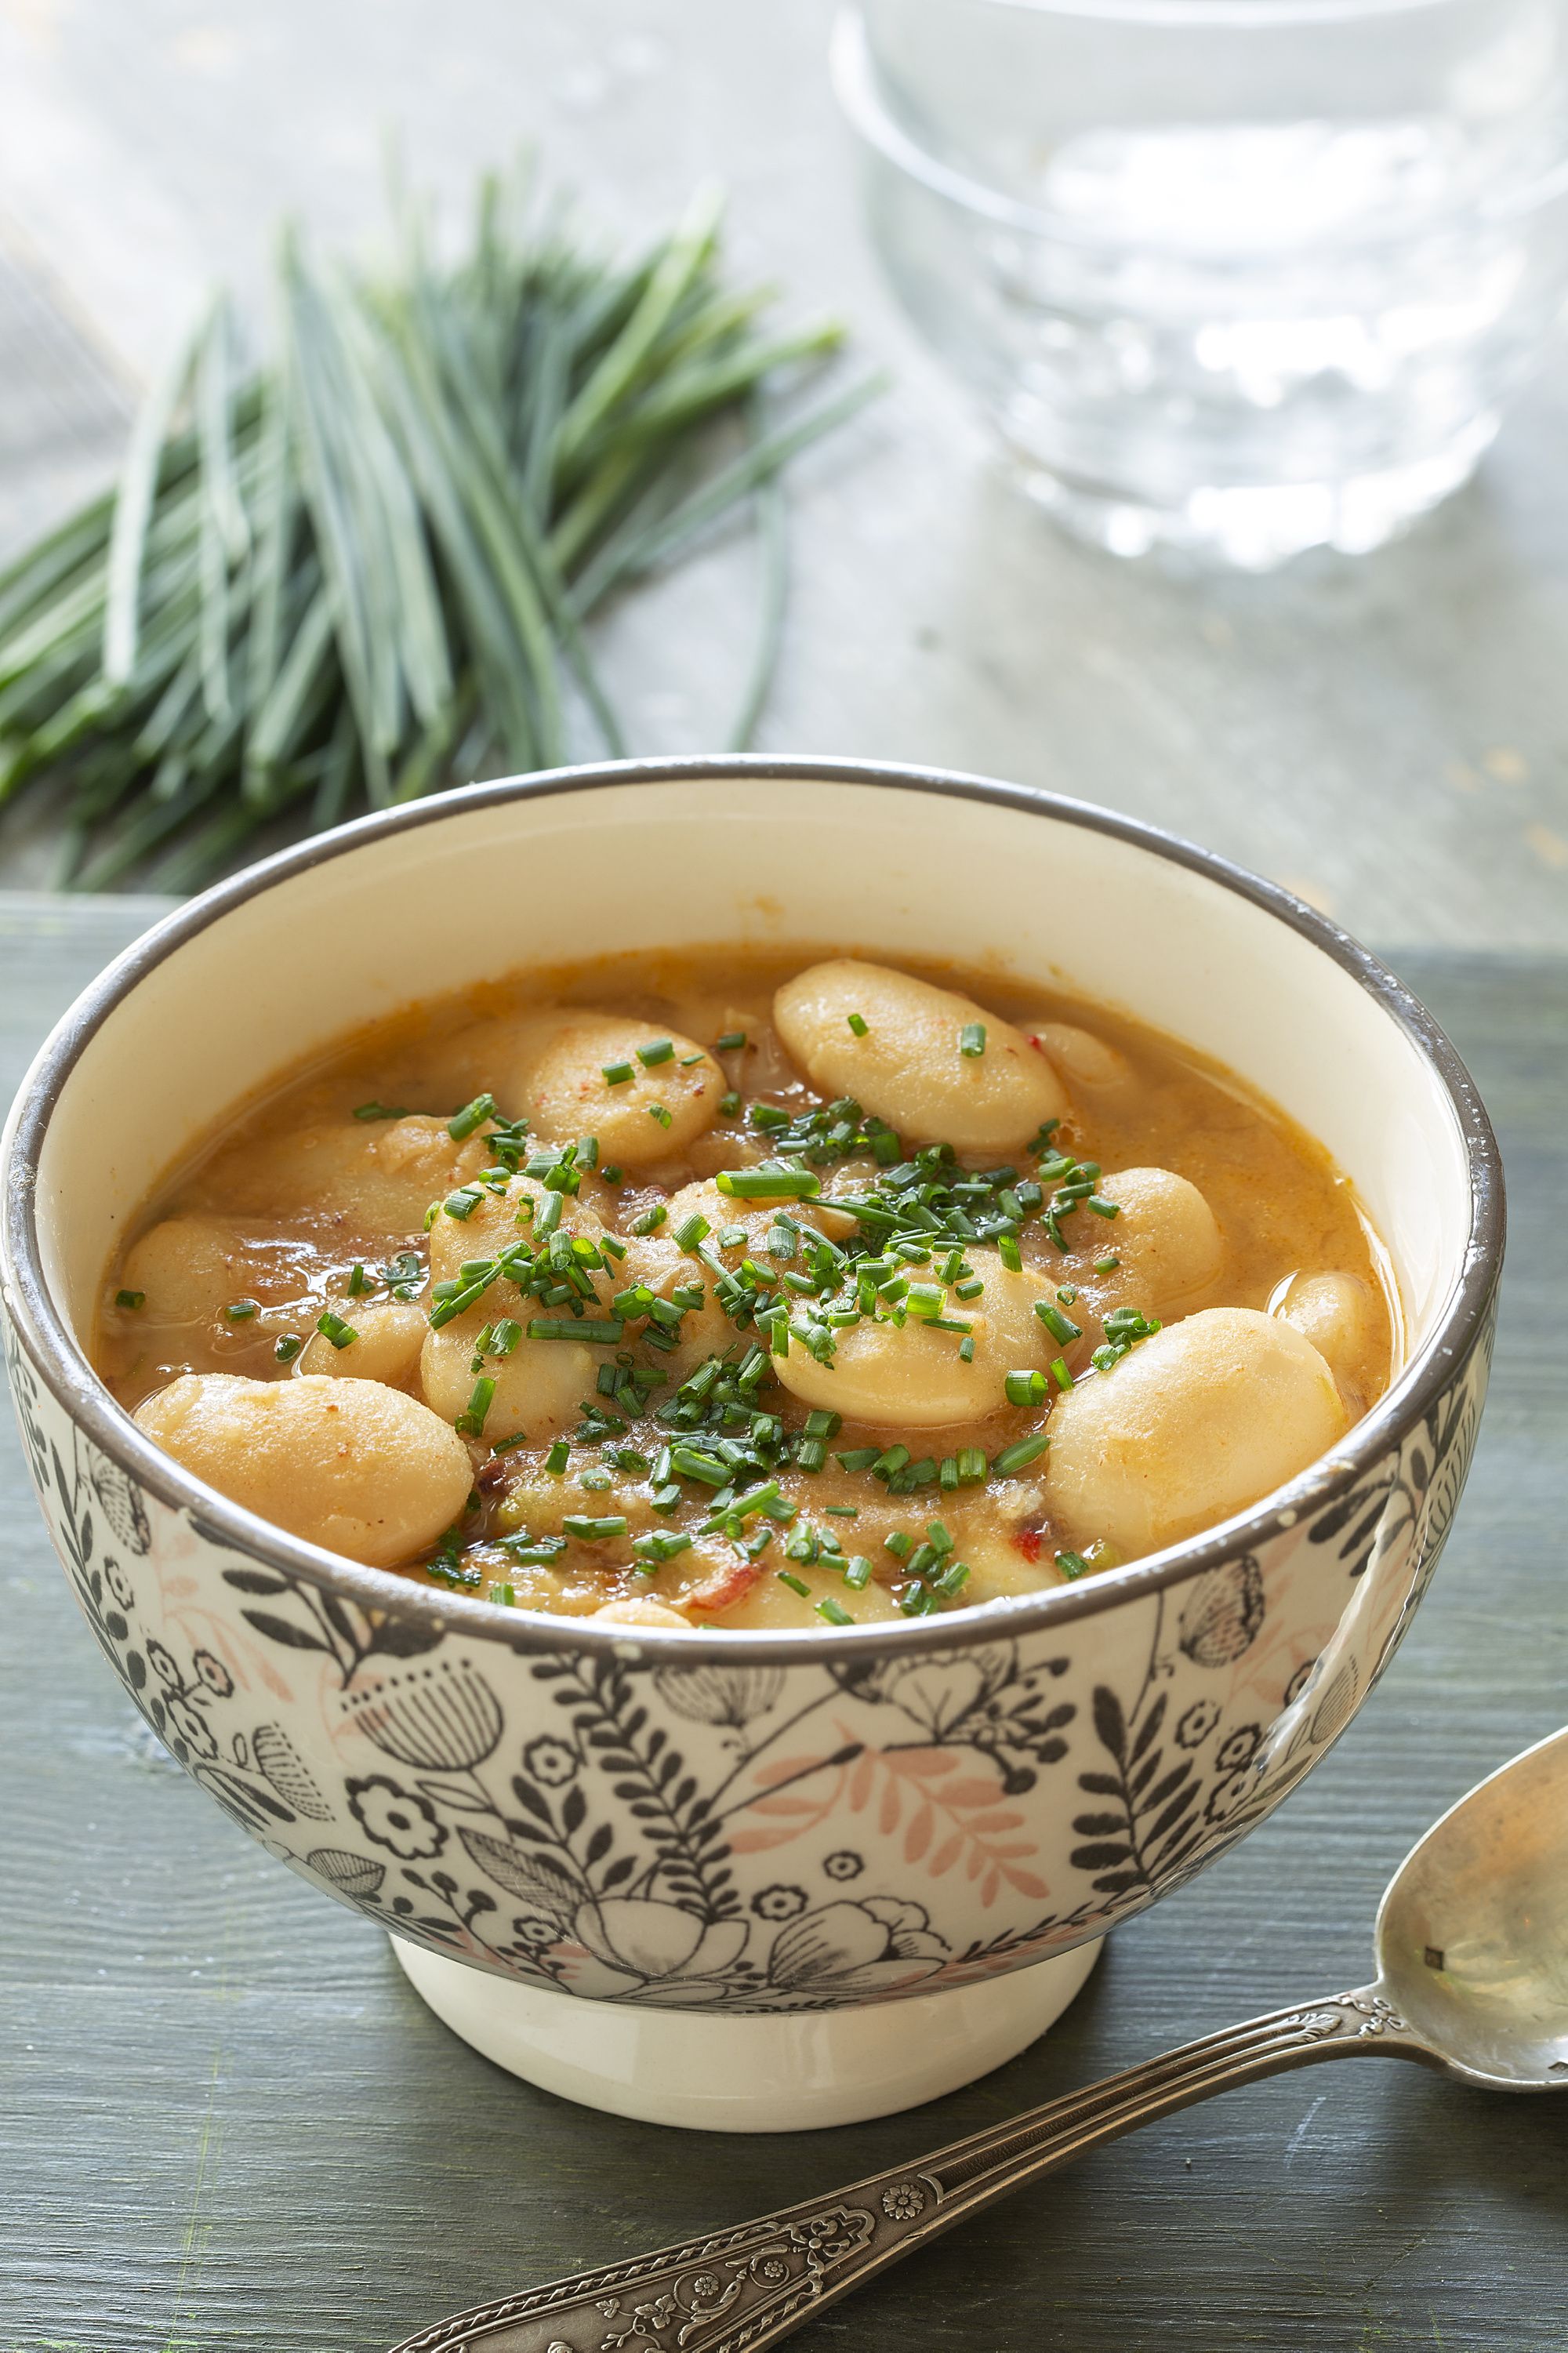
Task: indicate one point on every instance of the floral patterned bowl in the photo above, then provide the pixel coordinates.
(732, 1851)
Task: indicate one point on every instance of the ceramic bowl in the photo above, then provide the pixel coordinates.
(704, 1874)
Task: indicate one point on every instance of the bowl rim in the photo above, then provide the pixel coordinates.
(88, 1403)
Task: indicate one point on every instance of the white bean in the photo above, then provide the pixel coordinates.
(1166, 1237)
(1087, 1064)
(188, 1268)
(1335, 1313)
(912, 1378)
(907, 1068)
(381, 1175)
(1199, 1422)
(558, 1080)
(640, 1610)
(350, 1465)
(539, 1387)
(388, 1336)
(494, 1224)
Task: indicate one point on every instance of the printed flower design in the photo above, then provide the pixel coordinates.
(779, 1903)
(443, 1717)
(214, 1674)
(120, 1585)
(720, 1694)
(392, 1817)
(536, 1933)
(164, 1664)
(550, 1762)
(845, 1864)
(1197, 1723)
(1238, 1748)
(119, 1499)
(189, 1724)
(941, 1690)
(856, 1947)
(903, 2201)
(1226, 1796)
(627, 1947)
(354, 1875)
(1223, 1614)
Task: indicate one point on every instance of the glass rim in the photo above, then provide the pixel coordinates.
(852, 68)
(1233, 16)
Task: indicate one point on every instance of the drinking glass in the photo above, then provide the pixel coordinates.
(1243, 277)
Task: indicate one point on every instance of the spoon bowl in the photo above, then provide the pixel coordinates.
(1472, 1935)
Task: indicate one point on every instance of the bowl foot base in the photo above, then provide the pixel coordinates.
(785, 2074)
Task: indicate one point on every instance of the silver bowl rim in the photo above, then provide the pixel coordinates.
(87, 1402)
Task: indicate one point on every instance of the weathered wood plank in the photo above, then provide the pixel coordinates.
(227, 2126)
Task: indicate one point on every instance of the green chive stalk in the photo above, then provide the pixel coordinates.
(364, 573)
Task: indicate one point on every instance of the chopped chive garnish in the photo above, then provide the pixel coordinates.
(611, 1174)
(1103, 1209)
(729, 1104)
(1025, 1388)
(920, 1601)
(691, 1230)
(1072, 1564)
(587, 1531)
(333, 1327)
(971, 1466)
(796, 1584)
(470, 1422)
(970, 1290)
(505, 1595)
(859, 1023)
(687, 1059)
(617, 1073)
(768, 1184)
(657, 1051)
(463, 1123)
(972, 1040)
(288, 1347)
(1060, 1373)
(1015, 1458)
(240, 1311)
(947, 1474)
(657, 1111)
(939, 1535)
(360, 1283)
(858, 1572)
(952, 1579)
(130, 1299)
(966, 1349)
(379, 1111)
(843, 1511)
(1009, 1253)
(595, 1330)
(1060, 1327)
(730, 1042)
(1067, 1292)
(859, 1458)
(836, 1616)
(555, 1461)
(651, 1219)
(505, 1445)
(1107, 1265)
(899, 1544)
(464, 1201)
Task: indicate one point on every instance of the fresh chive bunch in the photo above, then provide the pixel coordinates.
(363, 574)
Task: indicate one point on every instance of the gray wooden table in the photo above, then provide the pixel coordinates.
(227, 2126)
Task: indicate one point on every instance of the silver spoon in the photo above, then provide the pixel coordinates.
(1471, 1946)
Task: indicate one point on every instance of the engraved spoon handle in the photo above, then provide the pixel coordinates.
(739, 2290)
